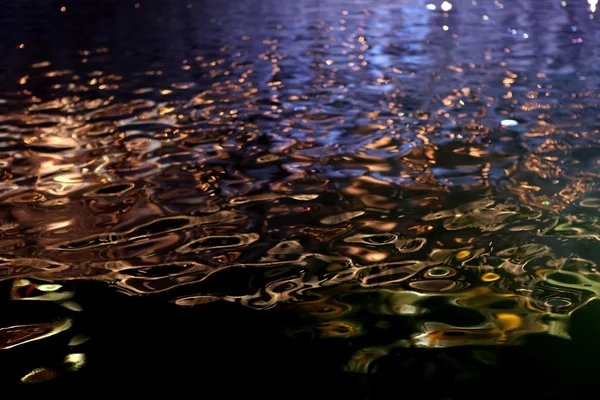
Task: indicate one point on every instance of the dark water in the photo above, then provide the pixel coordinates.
(345, 198)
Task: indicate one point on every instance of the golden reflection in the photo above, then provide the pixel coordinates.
(40, 375)
(21, 334)
(338, 329)
(490, 277)
(340, 174)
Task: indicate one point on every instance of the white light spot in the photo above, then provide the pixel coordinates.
(509, 122)
(49, 287)
(431, 7)
(446, 6)
(75, 361)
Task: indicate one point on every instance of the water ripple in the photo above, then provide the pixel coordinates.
(361, 168)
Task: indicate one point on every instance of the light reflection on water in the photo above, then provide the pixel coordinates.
(359, 165)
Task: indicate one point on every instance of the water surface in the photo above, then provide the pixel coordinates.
(351, 195)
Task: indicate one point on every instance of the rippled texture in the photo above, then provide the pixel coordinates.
(382, 173)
